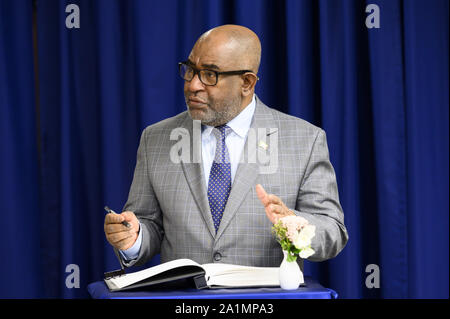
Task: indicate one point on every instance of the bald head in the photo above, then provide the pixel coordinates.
(223, 49)
(239, 45)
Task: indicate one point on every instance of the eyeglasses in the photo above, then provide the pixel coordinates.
(207, 77)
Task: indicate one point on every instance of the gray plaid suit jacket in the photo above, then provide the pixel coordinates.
(169, 197)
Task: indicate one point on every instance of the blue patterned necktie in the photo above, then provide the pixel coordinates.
(219, 184)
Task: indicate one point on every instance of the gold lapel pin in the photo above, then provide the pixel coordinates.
(263, 145)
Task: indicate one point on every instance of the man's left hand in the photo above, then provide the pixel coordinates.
(274, 206)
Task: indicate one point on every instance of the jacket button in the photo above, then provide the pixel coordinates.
(217, 256)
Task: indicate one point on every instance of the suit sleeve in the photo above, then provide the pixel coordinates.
(143, 202)
(318, 202)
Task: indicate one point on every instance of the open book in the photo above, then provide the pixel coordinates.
(204, 276)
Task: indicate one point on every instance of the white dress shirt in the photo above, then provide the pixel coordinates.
(235, 142)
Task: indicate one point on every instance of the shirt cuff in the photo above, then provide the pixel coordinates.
(133, 252)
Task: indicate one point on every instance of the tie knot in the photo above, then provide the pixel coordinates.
(221, 132)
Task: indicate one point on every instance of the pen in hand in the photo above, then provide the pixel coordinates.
(125, 223)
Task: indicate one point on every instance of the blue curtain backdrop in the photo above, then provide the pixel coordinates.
(73, 103)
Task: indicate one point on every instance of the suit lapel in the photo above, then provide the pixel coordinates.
(246, 174)
(193, 171)
(249, 169)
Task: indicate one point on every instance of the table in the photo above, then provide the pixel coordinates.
(313, 290)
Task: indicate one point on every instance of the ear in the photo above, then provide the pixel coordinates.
(249, 82)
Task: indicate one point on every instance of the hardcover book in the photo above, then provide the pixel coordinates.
(213, 275)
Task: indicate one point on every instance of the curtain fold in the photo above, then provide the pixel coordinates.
(20, 269)
(426, 71)
(380, 94)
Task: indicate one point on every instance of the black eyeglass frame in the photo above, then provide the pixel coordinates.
(217, 73)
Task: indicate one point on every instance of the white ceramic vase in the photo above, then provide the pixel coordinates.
(290, 274)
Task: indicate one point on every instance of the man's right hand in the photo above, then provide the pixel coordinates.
(118, 235)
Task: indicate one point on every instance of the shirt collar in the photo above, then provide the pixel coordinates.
(241, 123)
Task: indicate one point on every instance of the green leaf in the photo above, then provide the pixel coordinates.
(291, 258)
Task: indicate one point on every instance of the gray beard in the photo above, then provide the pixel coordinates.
(212, 117)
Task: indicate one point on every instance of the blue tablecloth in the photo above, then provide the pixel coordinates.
(313, 290)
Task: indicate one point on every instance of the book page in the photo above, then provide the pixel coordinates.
(131, 278)
(241, 276)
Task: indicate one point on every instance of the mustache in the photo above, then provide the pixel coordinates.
(195, 99)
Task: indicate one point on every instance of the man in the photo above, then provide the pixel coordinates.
(221, 208)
